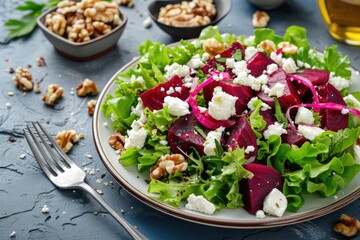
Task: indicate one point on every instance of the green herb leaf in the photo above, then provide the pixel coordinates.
(279, 115)
(200, 131)
(220, 59)
(219, 67)
(237, 55)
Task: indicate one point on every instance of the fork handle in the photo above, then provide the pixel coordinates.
(129, 228)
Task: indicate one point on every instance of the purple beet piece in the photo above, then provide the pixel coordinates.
(258, 63)
(228, 53)
(315, 76)
(154, 97)
(290, 96)
(243, 93)
(242, 136)
(332, 119)
(182, 135)
(256, 189)
(292, 137)
(268, 116)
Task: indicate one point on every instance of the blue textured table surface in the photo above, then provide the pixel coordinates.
(23, 187)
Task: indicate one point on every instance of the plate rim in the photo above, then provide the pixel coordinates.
(196, 218)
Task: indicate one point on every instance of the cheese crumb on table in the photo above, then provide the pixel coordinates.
(45, 209)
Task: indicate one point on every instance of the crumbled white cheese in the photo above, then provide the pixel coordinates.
(11, 93)
(304, 115)
(276, 58)
(45, 209)
(250, 52)
(162, 89)
(170, 91)
(250, 81)
(222, 105)
(289, 65)
(277, 90)
(202, 109)
(274, 129)
(139, 79)
(136, 136)
(240, 67)
(218, 77)
(12, 234)
(271, 68)
(344, 111)
(139, 109)
(147, 22)
(260, 214)
(249, 149)
(176, 69)
(205, 57)
(230, 62)
(177, 107)
(106, 124)
(188, 81)
(8, 105)
(200, 204)
(338, 82)
(310, 133)
(209, 144)
(251, 106)
(275, 203)
(248, 41)
(113, 117)
(164, 142)
(22, 156)
(178, 89)
(195, 62)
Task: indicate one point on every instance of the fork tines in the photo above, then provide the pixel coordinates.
(47, 153)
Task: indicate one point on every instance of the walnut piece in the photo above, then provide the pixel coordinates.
(129, 3)
(91, 107)
(188, 14)
(66, 8)
(56, 22)
(78, 31)
(260, 19)
(213, 47)
(288, 48)
(53, 93)
(86, 87)
(66, 138)
(168, 164)
(116, 141)
(105, 12)
(348, 226)
(23, 79)
(267, 45)
(101, 28)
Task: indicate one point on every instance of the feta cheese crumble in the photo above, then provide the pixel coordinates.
(222, 105)
(209, 144)
(338, 82)
(249, 149)
(277, 90)
(345, 111)
(251, 106)
(137, 135)
(276, 58)
(304, 115)
(195, 62)
(310, 133)
(260, 214)
(45, 209)
(289, 65)
(230, 62)
(271, 68)
(176, 69)
(250, 52)
(274, 129)
(139, 109)
(275, 203)
(12, 234)
(200, 204)
(177, 107)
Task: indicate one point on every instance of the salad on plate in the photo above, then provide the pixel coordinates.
(228, 121)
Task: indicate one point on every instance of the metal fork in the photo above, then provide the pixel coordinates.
(63, 172)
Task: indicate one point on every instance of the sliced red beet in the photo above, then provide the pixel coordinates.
(290, 96)
(228, 53)
(332, 119)
(242, 136)
(154, 97)
(258, 64)
(268, 116)
(292, 137)
(182, 135)
(243, 93)
(256, 189)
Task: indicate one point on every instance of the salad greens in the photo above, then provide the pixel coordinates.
(323, 165)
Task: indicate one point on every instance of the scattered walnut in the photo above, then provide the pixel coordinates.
(66, 138)
(129, 3)
(348, 226)
(86, 87)
(116, 141)
(188, 14)
(267, 45)
(23, 79)
(260, 19)
(91, 106)
(56, 23)
(288, 48)
(53, 93)
(168, 164)
(213, 47)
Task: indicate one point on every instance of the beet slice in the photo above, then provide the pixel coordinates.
(243, 93)
(182, 135)
(154, 97)
(290, 97)
(292, 137)
(243, 136)
(228, 53)
(332, 119)
(255, 190)
(315, 76)
(258, 64)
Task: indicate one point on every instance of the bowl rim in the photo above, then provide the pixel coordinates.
(41, 19)
(213, 22)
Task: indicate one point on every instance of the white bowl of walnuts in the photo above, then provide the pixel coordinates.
(83, 30)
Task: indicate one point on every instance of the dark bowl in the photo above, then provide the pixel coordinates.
(222, 9)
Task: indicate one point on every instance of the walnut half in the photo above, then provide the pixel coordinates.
(348, 226)
(66, 138)
(116, 141)
(260, 19)
(53, 93)
(85, 87)
(91, 107)
(168, 164)
(23, 79)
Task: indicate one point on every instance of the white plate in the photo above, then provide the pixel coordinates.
(135, 183)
